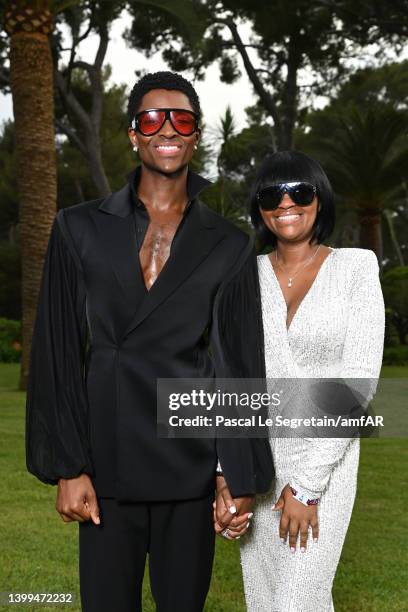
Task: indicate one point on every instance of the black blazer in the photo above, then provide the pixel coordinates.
(101, 341)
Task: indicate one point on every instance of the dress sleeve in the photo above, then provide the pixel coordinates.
(362, 358)
(57, 441)
(237, 350)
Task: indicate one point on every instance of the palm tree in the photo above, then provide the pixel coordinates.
(366, 155)
(29, 25)
(226, 195)
(226, 130)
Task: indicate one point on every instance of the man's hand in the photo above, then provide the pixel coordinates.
(76, 500)
(230, 513)
(295, 518)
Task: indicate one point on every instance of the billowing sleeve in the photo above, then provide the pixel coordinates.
(237, 349)
(57, 441)
(362, 359)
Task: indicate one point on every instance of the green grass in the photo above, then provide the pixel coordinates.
(39, 551)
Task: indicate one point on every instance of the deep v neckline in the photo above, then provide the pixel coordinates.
(307, 294)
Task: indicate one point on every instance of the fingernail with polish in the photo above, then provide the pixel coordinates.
(283, 540)
(232, 509)
(315, 540)
(250, 515)
(292, 549)
(248, 524)
(303, 549)
(273, 505)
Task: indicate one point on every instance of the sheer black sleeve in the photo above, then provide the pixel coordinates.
(237, 343)
(57, 441)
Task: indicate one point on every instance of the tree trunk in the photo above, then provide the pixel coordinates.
(264, 95)
(370, 233)
(401, 325)
(289, 102)
(389, 215)
(88, 120)
(31, 76)
(96, 166)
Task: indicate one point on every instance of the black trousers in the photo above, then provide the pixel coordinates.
(179, 537)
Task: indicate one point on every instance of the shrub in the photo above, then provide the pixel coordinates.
(391, 334)
(395, 355)
(395, 289)
(10, 340)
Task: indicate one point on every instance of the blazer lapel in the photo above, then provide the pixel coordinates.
(197, 238)
(115, 225)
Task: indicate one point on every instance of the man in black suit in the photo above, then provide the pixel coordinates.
(133, 284)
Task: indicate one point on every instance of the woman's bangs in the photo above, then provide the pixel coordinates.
(287, 168)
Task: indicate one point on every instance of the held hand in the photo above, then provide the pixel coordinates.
(76, 500)
(231, 515)
(295, 518)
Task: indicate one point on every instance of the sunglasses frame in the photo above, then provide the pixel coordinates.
(167, 117)
(286, 188)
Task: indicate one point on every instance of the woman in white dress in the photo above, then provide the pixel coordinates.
(323, 317)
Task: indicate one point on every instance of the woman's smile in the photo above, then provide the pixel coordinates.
(288, 218)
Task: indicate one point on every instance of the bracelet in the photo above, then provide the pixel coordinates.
(302, 497)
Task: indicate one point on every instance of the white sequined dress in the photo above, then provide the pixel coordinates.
(337, 331)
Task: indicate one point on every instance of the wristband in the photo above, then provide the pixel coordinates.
(303, 498)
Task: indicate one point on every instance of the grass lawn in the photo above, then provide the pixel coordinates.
(39, 551)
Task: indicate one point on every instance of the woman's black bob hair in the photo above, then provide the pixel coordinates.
(290, 166)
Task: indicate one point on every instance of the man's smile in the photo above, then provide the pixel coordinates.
(168, 149)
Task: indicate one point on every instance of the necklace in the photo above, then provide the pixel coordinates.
(308, 261)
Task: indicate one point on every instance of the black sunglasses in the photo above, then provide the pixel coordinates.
(300, 193)
(151, 121)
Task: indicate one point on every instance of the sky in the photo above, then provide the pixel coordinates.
(214, 95)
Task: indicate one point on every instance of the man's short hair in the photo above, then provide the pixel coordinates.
(161, 80)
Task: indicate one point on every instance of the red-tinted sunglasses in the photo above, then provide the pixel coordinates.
(151, 121)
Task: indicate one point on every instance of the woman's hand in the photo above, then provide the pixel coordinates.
(295, 518)
(231, 516)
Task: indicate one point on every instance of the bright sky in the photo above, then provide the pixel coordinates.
(214, 95)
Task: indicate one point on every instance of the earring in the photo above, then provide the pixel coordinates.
(135, 148)
(195, 147)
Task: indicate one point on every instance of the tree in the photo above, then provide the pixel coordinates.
(387, 84)
(83, 108)
(8, 185)
(225, 195)
(395, 288)
(29, 25)
(239, 155)
(371, 22)
(390, 218)
(285, 41)
(291, 52)
(365, 153)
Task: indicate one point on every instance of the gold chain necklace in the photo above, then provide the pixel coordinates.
(292, 278)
